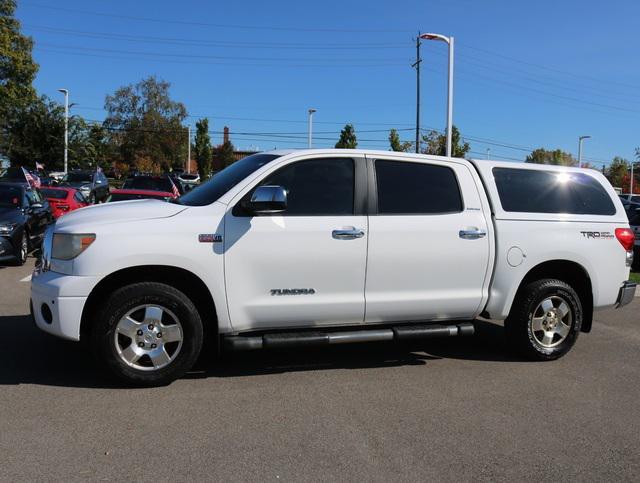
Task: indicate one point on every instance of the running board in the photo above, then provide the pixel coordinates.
(283, 340)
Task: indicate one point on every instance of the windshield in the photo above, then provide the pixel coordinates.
(10, 196)
(54, 194)
(78, 178)
(148, 183)
(14, 173)
(208, 192)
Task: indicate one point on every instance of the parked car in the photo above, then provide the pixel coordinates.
(63, 200)
(633, 213)
(24, 216)
(128, 195)
(151, 183)
(93, 185)
(321, 247)
(635, 198)
(189, 178)
(57, 175)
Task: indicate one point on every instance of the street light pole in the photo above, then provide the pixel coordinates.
(311, 111)
(450, 42)
(189, 149)
(66, 127)
(580, 139)
(488, 152)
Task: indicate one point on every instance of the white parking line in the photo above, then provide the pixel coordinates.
(26, 279)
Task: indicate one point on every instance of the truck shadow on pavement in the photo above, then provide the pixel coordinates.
(30, 356)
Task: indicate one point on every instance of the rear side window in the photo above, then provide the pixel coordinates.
(534, 191)
(416, 188)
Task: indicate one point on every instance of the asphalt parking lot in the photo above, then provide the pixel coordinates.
(448, 411)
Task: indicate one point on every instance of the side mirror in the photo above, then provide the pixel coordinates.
(268, 199)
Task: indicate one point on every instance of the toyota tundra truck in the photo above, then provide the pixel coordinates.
(322, 247)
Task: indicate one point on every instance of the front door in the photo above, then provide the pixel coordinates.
(428, 242)
(303, 267)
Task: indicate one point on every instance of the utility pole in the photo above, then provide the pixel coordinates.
(488, 152)
(189, 149)
(66, 127)
(631, 181)
(311, 111)
(417, 66)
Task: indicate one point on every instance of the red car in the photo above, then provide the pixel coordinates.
(131, 194)
(63, 200)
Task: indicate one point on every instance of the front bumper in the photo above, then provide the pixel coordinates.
(7, 249)
(58, 301)
(626, 295)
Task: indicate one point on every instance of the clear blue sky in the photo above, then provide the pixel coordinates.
(528, 74)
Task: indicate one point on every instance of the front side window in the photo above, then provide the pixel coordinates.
(406, 188)
(536, 191)
(317, 187)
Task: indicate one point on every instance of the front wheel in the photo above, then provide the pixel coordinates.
(23, 249)
(147, 334)
(545, 320)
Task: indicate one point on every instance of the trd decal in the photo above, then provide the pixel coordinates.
(597, 235)
(292, 291)
(209, 238)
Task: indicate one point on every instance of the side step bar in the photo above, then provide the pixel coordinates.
(283, 340)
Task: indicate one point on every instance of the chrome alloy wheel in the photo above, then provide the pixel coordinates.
(551, 321)
(148, 338)
(24, 248)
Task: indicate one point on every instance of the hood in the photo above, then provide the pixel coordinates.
(121, 212)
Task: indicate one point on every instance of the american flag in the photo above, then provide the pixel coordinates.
(174, 189)
(33, 180)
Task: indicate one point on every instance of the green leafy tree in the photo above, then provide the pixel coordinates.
(396, 144)
(17, 71)
(436, 143)
(146, 123)
(557, 157)
(225, 154)
(617, 171)
(203, 148)
(347, 138)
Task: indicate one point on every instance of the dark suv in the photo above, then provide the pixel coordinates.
(24, 216)
(93, 185)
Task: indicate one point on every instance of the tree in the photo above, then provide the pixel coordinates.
(225, 153)
(617, 171)
(347, 138)
(146, 122)
(203, 148)
(436, 144)
(17, 71)
(557, 157)
(396, 144)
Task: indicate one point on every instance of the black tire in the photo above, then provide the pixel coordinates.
(519, 326)
(92, 199)
(22, 250)
(104, 340)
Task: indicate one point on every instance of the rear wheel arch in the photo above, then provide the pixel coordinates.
(185, 281)
(569, 272)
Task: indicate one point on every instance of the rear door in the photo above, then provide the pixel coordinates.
(429, 248)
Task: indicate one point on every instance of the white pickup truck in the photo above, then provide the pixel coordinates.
(322, 247)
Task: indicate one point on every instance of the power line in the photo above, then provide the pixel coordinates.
(206, 24)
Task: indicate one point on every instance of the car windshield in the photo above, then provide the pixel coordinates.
(212, 190)
(133, 196)
(78, 178)
(54, 194)
(10, 196)
(14, 174)
(151, 183)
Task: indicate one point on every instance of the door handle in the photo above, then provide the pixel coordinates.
(347, 234)
(473, 234)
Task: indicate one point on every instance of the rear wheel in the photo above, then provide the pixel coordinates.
(545, 320)
(147, 334)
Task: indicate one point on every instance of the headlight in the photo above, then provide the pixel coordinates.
(67, 246)
(7, 228)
